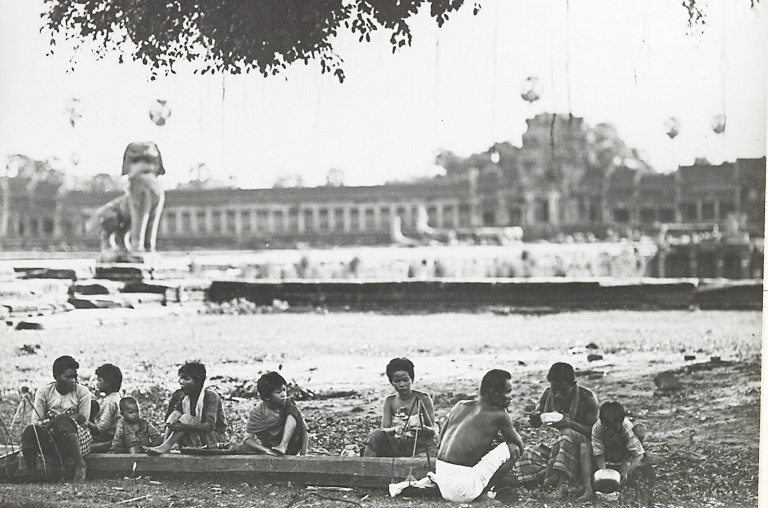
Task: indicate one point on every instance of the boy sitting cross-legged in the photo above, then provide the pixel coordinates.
(133, 433)
(275, 424)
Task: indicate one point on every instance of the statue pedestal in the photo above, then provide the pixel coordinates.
(142, 258)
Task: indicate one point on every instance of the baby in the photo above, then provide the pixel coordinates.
(133, 433)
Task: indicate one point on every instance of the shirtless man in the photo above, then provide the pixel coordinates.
(466, 465)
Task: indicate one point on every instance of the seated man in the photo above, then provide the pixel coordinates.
(466, 464)
(58, 426)
(275, 424)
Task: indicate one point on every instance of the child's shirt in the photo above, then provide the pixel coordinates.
(267, 424)
(616, 448)
(109, 412)
(212, 414)
(128, 435)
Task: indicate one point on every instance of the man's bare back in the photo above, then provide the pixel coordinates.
(469, 431)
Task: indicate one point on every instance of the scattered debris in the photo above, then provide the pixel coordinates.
(667, 381)
(29, 349)
(594, 357)
(134, 499)
(689, 358)
(240, 306)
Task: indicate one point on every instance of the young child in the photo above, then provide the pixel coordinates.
(408, 420)
(195, 416)
(133, 433)
(275, 424)
(616, 444)
(109, 380)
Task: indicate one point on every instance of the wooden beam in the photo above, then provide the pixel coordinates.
(305, 470)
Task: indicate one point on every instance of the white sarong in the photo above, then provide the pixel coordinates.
(462, 484)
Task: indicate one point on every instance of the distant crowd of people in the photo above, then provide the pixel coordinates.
(477, 449)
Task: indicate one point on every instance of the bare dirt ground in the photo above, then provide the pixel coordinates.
(704, 437)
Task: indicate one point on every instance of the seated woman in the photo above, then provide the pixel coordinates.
(195, 416)
(275, 424)
(408, 420)
(109, 379)
(58, 426)
(566, 465)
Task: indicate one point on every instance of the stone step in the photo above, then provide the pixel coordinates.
(16, 308)
(98, 301)
(123, 272)
(103, 317)
(55, 273)
(97, 287)
(34, 288)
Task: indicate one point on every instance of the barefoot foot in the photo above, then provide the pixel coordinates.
(79, 472)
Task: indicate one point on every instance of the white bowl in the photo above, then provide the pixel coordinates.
(552, 417)
(606, 480)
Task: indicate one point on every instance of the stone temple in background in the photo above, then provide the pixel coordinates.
(566, 179)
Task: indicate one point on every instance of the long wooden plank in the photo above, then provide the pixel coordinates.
(310, 469)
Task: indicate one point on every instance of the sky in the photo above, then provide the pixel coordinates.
(633, 64)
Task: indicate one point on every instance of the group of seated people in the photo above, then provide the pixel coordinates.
(67, 423)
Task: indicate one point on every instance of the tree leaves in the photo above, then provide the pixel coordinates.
(264, 36)
(231, 35)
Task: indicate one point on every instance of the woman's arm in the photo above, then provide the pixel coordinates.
(104, 418)
(386, 417)
(118, 439)
(429, 412)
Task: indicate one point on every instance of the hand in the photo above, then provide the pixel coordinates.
(565, 423)
(279, 449)
(175, 427)
(79, 418)
(535, 419)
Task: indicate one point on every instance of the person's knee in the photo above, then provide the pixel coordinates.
(186, 420)
(29, 436)
(570, 433)
(174, 417)
(64, 424)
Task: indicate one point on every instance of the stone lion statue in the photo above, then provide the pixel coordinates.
(130, 221)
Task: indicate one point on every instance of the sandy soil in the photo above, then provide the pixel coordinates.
(701, 458)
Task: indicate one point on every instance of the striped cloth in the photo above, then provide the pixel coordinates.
(565, 456)
(540, 463)
(532, 464)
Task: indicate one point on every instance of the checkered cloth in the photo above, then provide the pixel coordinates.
(84, 439)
